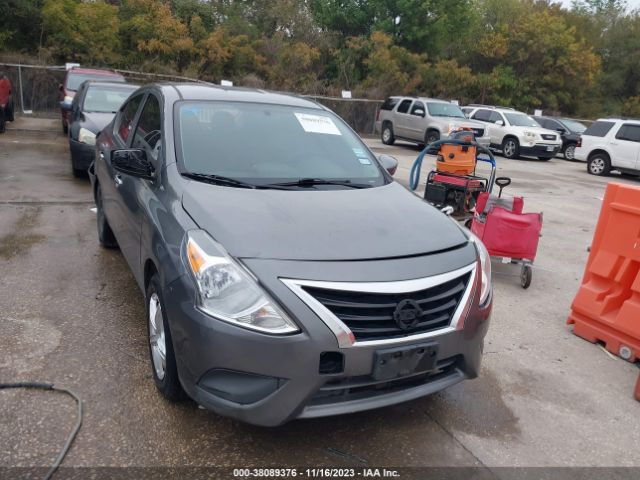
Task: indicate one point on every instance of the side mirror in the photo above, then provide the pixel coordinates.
(418, 112)
(66, 106)
(561, 131)
(389, 163)
(500, 123)
(133, 162)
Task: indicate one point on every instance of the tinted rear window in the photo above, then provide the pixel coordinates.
(389, 103)
(599, 129)
(74, 80)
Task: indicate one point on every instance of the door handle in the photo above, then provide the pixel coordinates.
(117, 179)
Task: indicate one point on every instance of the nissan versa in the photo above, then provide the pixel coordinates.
(286, 274)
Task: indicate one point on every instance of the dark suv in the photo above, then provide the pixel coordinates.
(569, 131)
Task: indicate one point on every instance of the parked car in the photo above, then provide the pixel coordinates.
(568, 129)
(423, 121)
(611, 144)
(6, 101)
(281, 276)
(516, 133)
(72, 81)
(93, 107)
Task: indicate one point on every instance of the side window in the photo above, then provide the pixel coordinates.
(127, 114)
(495, 117)
(553, 125)
(417, 106)
(148, 131)
(629, 132)
(482, 115)
(389, 103)
(599, 128)
(404, 106)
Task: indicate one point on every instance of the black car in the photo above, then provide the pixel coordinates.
(568, 129)
(92, 108)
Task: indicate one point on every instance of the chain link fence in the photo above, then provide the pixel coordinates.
(36, 91)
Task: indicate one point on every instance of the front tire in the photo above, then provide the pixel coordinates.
(163, 360)
(511, 148)
(431, 136)
(570, 152)
(387, 135)
(599, 164)
(105, 235)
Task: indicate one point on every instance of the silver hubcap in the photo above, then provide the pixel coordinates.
(509, 148)
(597, 165)
(570, 152)
(386, 134)
(156, 337)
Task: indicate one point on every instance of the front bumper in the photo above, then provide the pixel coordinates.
(81, 154)
(268, 380)
(540, 149)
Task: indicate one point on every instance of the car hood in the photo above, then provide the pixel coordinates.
(372, 223)
(95, 121)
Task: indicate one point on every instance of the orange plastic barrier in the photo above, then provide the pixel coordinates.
(607, 305)
(456, 159)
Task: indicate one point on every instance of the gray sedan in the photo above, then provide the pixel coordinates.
(286, 275)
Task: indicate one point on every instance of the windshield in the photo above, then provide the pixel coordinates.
(438, 109)
(265, 143)
(521, 120)
(574, 125)
(74, 80)
(106, 99)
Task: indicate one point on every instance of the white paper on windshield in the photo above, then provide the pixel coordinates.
(317, 124)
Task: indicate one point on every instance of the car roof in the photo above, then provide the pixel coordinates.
(197, 91)
(106, 83)
(94, 71)
(616, 119)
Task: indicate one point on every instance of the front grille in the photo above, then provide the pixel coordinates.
(370, 316)
(547, 136)
(478, 132)
(356, 388)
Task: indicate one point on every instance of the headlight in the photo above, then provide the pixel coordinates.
(67, 99)
(485, 266)
(451, 128)
(227, 292)
(529, 134)
(86, 136)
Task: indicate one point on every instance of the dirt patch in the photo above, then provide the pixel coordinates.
(21, 239)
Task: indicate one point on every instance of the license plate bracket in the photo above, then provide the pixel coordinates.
(397, 362)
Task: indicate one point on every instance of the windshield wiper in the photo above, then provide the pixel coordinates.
(310, 182)
(218, 180)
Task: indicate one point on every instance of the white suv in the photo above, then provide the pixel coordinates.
(516, 133)
(610, 144)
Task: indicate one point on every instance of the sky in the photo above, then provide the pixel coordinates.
(633, 4)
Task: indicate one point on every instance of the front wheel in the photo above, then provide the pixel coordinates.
(599, 164)
(387, 134)
(163, 360)
(570, 152)
(431, 136)
(511, 148)
(525, 276)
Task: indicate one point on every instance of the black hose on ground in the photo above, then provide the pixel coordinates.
(76, 428)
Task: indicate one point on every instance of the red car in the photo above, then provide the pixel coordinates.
(6, 101)
(73, 80)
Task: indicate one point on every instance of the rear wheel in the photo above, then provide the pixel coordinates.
(163, 360)
(599, 164)
(570, 152)
(105, 235)
(511, 148)
(525, 276)
(387, 134)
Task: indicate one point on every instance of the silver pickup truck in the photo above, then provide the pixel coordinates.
(423, 121)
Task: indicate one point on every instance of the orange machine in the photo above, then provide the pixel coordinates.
(456, 159)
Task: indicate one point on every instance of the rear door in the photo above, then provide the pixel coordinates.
(416, 121)
(626, 146)
(489, 117)
(401, 118)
